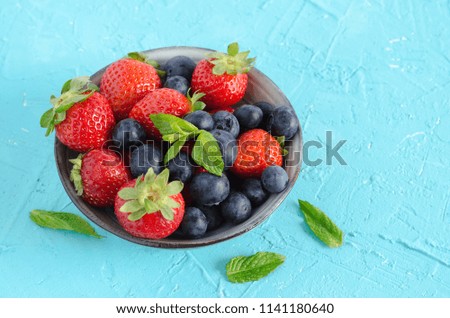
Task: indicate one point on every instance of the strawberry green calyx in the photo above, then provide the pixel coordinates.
(75, 174)
(73, 91)
(152, 193)
(194, 100)
(143, 58)
(233, 63)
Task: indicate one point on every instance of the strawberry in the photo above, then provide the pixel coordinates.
(223, 77)
(82, 118)
(98, 176)
(150, 207)
(127, 81)
(166, 101)
(257, 149)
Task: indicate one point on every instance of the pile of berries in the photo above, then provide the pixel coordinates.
(168, 160)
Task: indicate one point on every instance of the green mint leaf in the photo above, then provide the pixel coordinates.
(244, 269)
(321, 225)
(165, 123)
(62, 221)
(174, 150)
(206, 153)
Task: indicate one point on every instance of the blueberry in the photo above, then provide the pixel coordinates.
(283, 122)
(209, 189)
(177, 83)
(179, 65)
(180, 167)
(127, 133)
(224, 120)
(200, 119)
(194, 224)
(254, 191)
(145, 157)
(249, 116)
(213, 216)
(228, 146)
(274, 179)
(236, 208)
(266, 109)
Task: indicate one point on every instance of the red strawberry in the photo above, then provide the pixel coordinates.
(83, 118)
(150, 207)
(223, 77)
(257, 149)
(127, 81)
(166, 101)
(98, 176)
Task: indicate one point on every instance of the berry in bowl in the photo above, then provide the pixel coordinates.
(176, 147)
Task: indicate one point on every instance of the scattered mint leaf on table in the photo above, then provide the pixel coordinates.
(321, 225)
(63, 221)
(243, 269)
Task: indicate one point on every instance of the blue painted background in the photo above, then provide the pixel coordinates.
(375, 73)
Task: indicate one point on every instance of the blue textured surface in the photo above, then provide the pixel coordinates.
(376, 73)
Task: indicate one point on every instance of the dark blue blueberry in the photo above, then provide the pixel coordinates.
(266, 109)
(253, 190)
(127, 133)
(194, 224)
(274, 179)
(209, 189)
(179, 65)
(180, 167)
(283, 122)
(224, 120)
(236, 208)
(200, 119)
(249, 116)
(228, 146)
(213, 216)
(178, 83)
(145, 157)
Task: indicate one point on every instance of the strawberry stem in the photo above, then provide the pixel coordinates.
(233, 62)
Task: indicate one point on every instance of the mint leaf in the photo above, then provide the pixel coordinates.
(174, 150)
(206, 153)
(177, 131)
(244, 269)
(321, 225)
(169, 124)
(62, 221)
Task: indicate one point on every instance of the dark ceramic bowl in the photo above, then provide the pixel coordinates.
(260, 88)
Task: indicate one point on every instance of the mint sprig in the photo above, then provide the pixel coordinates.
(243, 269)
(63, 221)
(177, 131)
(321, 225)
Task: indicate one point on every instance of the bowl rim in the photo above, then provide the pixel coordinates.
(180, 243)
